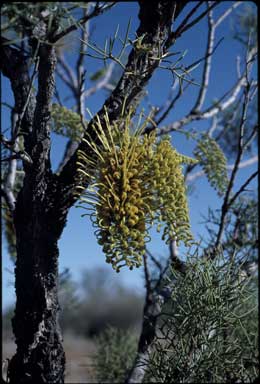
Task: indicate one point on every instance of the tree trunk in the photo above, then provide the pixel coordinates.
(39, 357)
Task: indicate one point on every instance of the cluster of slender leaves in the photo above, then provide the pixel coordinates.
(204, 327)
(213, 162)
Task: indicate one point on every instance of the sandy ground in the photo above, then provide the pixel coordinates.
(79, 366)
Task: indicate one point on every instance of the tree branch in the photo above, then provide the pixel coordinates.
(156, 297)
(207, 65)
(185, 27)
(242, 164)
(155, 25)
(15, 67)
(241, 189)
(214, 109)
(102, 83)
(241, 148)
(98, 10)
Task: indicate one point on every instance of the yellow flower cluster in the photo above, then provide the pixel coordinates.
(169, 194)
(135, 182)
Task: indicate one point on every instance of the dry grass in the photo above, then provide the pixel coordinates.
(79, 366)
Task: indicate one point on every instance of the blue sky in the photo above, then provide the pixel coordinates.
(78, 247)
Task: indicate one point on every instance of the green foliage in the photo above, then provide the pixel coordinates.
(205, 335)
(134, 183)
(66, 122)
(115, 355)
(23, 17)
(213, 162)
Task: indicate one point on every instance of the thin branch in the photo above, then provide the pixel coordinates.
(186, 19)
(230, 167)
(226, 13)
(69, 151)
(213, 127)
(69, 72)
(147, 275)
(241, 189)
(180, 31)
(212, 110)
(171, 104)
(154, 260)
(225, 205)
(103, 83)
(83, 45)
(65, 79)
(96, 11)
(207, 65)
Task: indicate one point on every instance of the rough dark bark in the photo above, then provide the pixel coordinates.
(39, 357)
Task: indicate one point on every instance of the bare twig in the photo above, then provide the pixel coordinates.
(207, 65)
(241, 189)
(242, 164)
(64, 78)
(241, 148)
(69, 151)
(154, 260)
(226, 13)
(98, 10)
(186, 19)
(70, 80)
(103, 83)
(213, 110)
(182, 29)
(147, 275)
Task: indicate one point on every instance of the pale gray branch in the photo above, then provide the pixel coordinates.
(72, 80)
(243, 164)
(103, 83)
(207, 64)
(226, 13)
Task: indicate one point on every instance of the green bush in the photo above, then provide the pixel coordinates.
(115, 354)
(208, 331)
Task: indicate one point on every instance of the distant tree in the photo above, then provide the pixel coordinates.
(134, 179)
